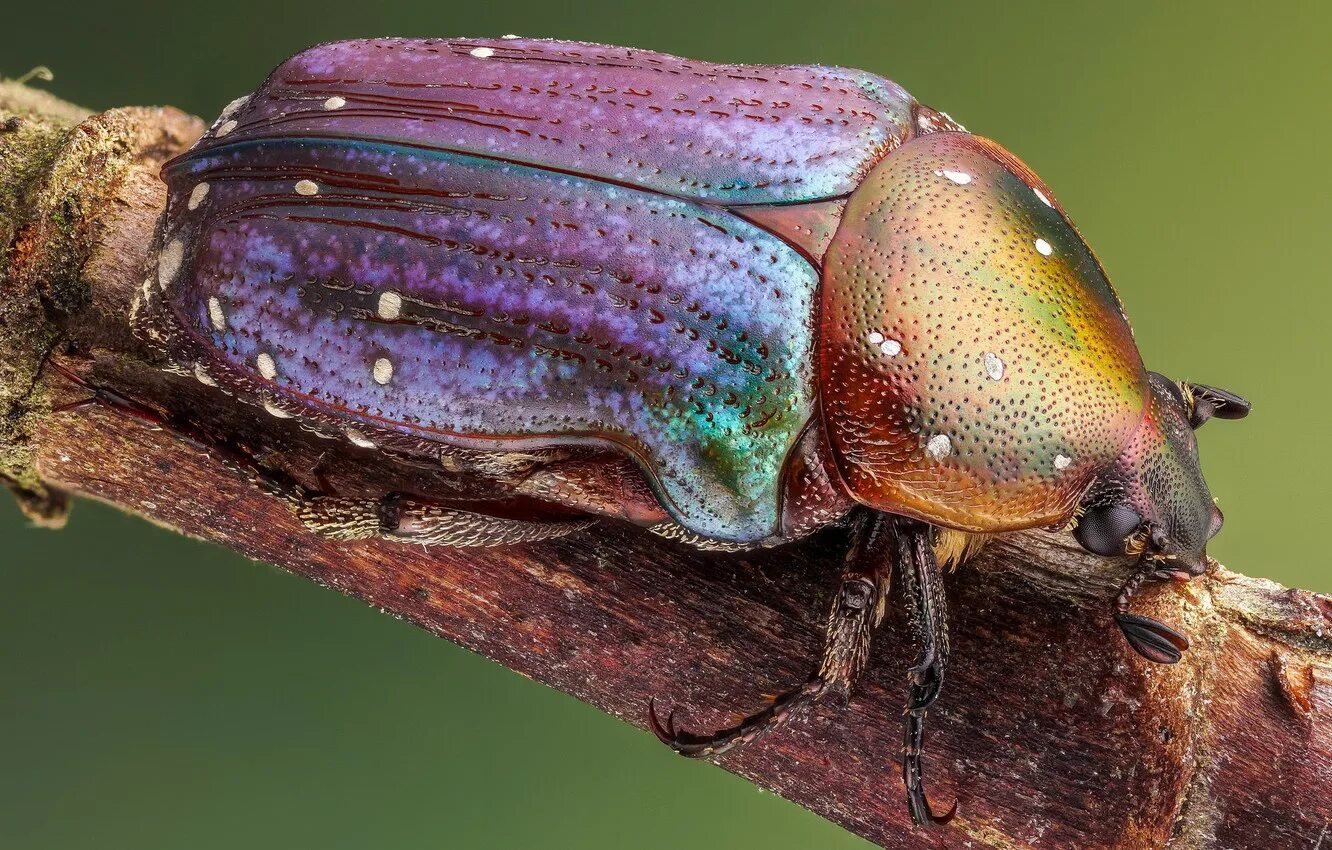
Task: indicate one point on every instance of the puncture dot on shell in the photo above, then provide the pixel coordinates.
(201, 374)
(939, 446)
(267, 367)
(307, 187)
(994, 366)
(390, 305)
(1044, 248)
(1062, 462)
(482, 52)
(335, 102)
(197, 194)
(274, 410)
(1041, 195)
(383, 371)
(168, 262)
(359, 439)
(226, 127)
(216, 314)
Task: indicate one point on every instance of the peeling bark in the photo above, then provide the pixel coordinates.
(1051, 733)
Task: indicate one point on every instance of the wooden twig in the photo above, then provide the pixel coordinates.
(1051, 733)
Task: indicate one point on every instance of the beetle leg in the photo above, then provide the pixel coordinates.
(1150, 638)
(231, 454)
(922, 583)
(857, 607)
(394, 517)
(416, 521)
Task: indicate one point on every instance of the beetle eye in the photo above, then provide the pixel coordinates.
(1105, 530)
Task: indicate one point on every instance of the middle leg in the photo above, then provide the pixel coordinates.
(922, 584)
(857, 608)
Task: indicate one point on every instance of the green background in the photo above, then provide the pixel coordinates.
(160, 693)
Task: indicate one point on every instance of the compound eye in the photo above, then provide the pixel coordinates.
(1106, 530)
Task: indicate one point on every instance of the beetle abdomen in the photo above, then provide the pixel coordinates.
(732, 134)
(481, 303)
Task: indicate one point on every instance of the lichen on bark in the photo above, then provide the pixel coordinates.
(62, 170)
(33, 127)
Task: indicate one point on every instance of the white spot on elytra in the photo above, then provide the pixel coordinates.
(482, 52)
(1062, 462)
(383, 371)
(875, 337)
(390, 306)
(939, 446)
(994, 366)
(231, 108)
(359, 439)
(1041, 195)
(1044, 248)
(274, 410)
(267, 367)
(335, 102)
(961, 178)
(215, 314)
(202, 375)
(197, 195)
(890, 347)
(307, 187)
(168, 262)
(227, 127)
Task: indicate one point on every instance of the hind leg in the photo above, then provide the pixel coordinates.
(393, 517)
(407, 520)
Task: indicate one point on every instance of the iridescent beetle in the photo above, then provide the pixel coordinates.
(731, 304)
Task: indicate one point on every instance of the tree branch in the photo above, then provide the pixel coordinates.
(1051, 733)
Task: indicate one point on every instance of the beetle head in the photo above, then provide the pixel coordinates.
(1154, 501)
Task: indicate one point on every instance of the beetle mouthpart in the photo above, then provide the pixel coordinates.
(1152, 639)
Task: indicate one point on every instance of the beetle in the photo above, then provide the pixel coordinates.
(730, 304)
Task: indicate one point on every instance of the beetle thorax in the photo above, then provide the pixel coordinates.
(976, 369)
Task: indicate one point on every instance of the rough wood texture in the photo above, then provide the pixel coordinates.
(1051, 733)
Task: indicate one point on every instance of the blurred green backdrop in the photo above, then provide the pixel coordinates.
(159, 693)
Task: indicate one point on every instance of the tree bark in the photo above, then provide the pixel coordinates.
(1050, 733)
